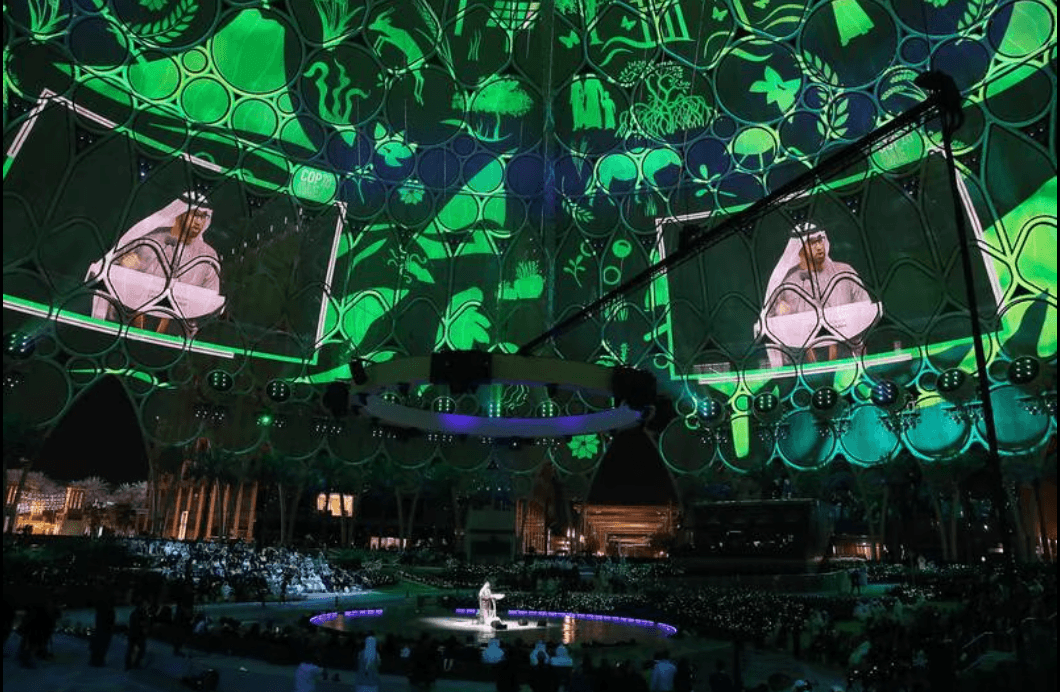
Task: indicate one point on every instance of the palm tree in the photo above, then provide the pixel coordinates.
(22, 443)
(346, 479)
(97, 491)
(96, 498)
(165, 462)
(242, 469)
(291, 477)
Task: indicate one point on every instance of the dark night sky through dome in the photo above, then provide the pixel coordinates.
(99, 436)
(252, 193)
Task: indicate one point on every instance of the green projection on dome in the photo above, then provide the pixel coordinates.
(390, 178)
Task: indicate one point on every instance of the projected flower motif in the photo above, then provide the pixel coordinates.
(938, 3)
(583, 446)
(411, 192)
(778, 91)
(153, 5)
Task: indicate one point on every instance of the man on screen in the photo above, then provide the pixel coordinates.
(167, 245)
(807, 290)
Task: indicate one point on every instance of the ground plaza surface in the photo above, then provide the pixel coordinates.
(68, 670)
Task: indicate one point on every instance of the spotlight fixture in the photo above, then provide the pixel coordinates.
(967, 412)
(19, 346)
(326, 426)
(548, 409)
(513, 443)
(1041, 404)
(220, 381)
(951, 380)
(766, 403)
(886, 394)
(278, 390)
(1024, 370)
(210, 413)
(824, 399)
(711, 412)
(956, 386)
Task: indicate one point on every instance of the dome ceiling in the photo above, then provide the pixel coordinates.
(225, 202)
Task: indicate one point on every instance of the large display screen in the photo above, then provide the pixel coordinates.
(160, 248)
(825, 281)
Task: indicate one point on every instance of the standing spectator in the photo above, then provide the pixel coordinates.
(607, 678)
(720, 680)
(542, 677)
(182, 620)
(368, 667)
(423, 665)
(139, 622)
(9, 619)
(102, 632)
(493, 653)
(685, 677)
(630, 679)
(52, 613)
(583, 678)
(307, 673)
(32, 633)
(539, 648)
(562, 665)
(662, 675)
(506, 675)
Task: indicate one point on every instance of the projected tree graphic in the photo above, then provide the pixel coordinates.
(670, 107)
(501, 97)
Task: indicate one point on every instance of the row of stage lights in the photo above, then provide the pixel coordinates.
(898, 405)
(1021, 370)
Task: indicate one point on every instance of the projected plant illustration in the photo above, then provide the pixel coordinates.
(669, 107)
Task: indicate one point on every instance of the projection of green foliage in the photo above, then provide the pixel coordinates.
(337, 19)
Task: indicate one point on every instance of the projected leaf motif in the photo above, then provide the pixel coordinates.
(171, 26)
(777, 91)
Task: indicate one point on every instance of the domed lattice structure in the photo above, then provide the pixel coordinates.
(227, 203)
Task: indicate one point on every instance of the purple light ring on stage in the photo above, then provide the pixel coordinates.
(363, 613)
(617, 619)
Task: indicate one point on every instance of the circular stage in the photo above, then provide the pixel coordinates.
(562, 627)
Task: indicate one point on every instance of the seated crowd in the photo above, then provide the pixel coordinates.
(919, 634)
(242, 572)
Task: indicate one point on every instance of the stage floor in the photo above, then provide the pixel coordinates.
(568, 628)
